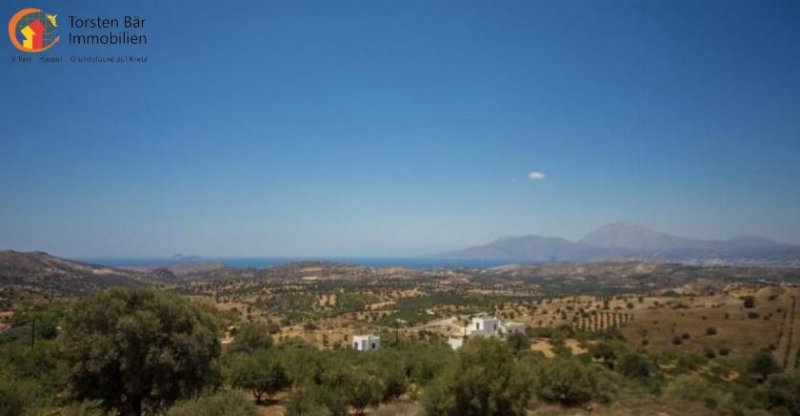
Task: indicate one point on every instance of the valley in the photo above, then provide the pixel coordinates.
(683, 320)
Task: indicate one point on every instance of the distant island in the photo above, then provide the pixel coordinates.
(180, 258)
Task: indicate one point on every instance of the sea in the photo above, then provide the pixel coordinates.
(417, 263)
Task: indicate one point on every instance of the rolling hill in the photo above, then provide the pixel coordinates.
(40, 270)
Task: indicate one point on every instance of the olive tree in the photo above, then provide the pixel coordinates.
(138, 349)
(259, 372)
(762, 364)
(519, 342)
(363, 390)
(485, 378)
(569, 382)
(250, 337)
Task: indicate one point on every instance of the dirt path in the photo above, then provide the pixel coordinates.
(441, 322)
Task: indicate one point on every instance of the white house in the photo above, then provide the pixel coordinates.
(486, 326)
(483, 326)
(366, 342)
(489, 326)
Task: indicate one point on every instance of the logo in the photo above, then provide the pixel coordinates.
(31, 30)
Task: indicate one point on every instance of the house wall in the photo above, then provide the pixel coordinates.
(483, 326)
(364, 343)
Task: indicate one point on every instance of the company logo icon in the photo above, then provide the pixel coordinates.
(32, 30)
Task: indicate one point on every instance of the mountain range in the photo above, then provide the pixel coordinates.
(620, 241)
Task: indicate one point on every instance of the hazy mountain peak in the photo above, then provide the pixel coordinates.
(621, 240)
(754, 241)
(529, 247)
(633, 237)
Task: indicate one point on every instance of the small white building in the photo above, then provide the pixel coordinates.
(483, 326)
(486, 326)
(366, 342)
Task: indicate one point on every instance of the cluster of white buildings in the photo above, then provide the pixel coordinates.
(479, 326)
(486, 326)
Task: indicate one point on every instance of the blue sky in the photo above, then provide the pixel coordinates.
(370, 128)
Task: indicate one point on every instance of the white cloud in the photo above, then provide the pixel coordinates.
(536, 176)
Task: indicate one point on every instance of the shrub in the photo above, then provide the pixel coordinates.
(709, 352)
(781, 391)
(518, 341)
(84, 408)
(423, 363)
(604, 352)
(345, 381)
(17, 395)
(230, 403)
(711, 330)
(634, 365)
(749, 302)
(250, 337)
(394, 381)
(568, 382)
(762, 365)
(687, 362)
(39, 364)
(273, 328)
(695, 388)
(302, 362)
(363, 390)
(313, 401)
(484, 379)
